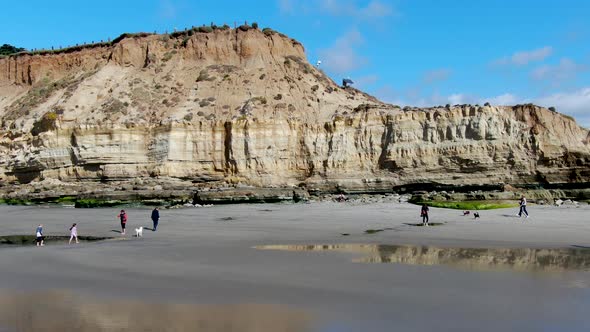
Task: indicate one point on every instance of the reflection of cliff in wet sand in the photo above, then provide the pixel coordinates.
(59, 311)
(473, 258)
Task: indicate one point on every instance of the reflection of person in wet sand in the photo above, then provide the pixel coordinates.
(424, 215)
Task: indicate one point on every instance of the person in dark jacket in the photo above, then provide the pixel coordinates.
(155, 218)
(424, 215)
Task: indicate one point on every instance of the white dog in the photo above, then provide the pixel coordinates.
(139, 232)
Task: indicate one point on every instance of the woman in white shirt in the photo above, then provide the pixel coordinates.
(523, 207)
(74, 233)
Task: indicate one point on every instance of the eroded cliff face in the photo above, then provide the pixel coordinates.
(244, 107)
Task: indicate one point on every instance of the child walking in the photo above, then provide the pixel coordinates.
(74, 233)
(39, 238)
(123, 217)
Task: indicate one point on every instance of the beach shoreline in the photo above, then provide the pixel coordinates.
(209, 256)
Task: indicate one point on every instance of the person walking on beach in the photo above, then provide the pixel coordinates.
(74, 233)
(123, 217)
(39, 236)
(155, 218)
(424, 215)
(522, 204)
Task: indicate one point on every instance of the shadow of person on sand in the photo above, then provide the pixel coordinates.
(580, 247)
(510, 215)
(115, 231)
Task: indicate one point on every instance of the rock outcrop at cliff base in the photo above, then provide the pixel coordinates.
(243, 107)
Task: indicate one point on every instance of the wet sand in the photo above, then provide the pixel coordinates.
(207, 257)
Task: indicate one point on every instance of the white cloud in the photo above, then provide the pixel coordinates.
(374, 9)
(566, 69)
(575, 103)
(341, 57)
(436, 75)
(286, 6)
(457, 98)
(503, 99)
(167, 9)
(525, 57)
(388, 94)
(365, 80)
(335, 7)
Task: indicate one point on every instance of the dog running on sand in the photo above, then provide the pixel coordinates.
(139, 232)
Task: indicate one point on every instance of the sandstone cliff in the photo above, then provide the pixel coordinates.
(234, 107)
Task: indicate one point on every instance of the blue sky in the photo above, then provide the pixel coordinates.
(408, 52)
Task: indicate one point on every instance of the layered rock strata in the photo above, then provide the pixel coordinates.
(244, 108)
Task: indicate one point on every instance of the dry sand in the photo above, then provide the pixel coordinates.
(206, 257)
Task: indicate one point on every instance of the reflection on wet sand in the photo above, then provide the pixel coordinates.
(62, 311)
(524, 259)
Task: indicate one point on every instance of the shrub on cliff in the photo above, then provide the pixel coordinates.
(205, 29)
(268, 31)
(47, 122)
(244, 27)
(130, 35)
(184, 41)
(261, 100)
(8, 49)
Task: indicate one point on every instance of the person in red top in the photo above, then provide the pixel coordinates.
(123, 217)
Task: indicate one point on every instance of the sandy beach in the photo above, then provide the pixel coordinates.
(203, 257)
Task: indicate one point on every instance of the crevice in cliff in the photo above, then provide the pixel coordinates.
(29, 77)
(146, 60)
(72, 150)
(247, 145)
(386, 140)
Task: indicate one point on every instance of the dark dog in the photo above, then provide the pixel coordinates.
(465, 213)
(475, 215)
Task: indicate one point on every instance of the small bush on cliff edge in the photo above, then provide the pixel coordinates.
(244, 27)
(47, 122)
(8, 49)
